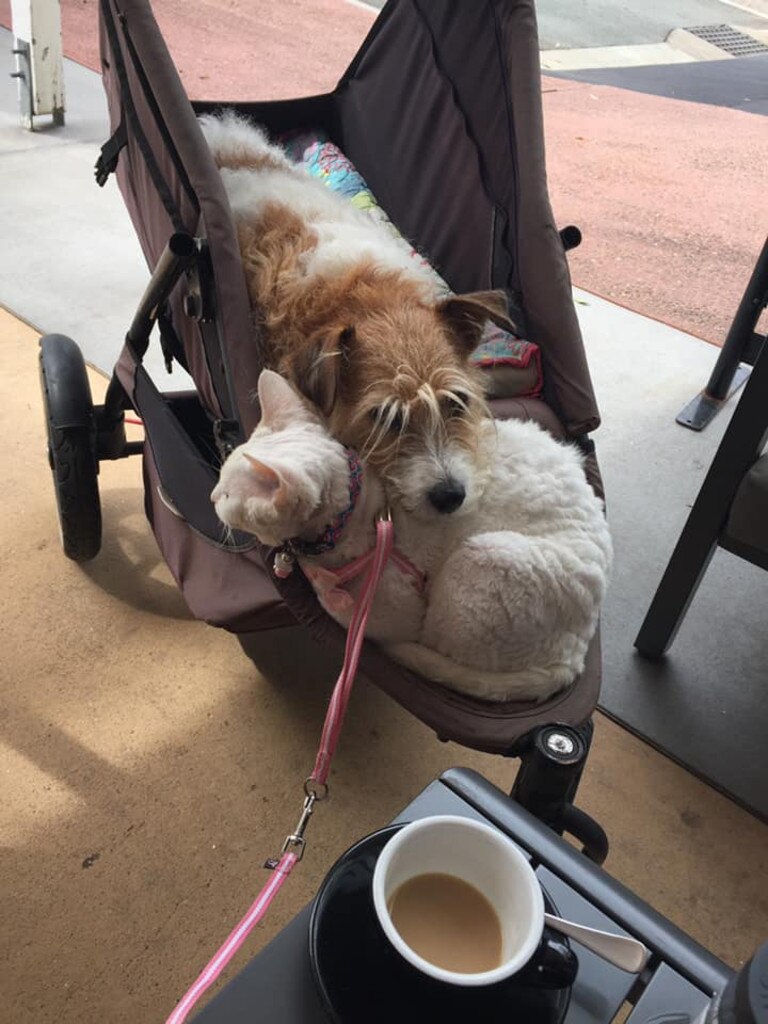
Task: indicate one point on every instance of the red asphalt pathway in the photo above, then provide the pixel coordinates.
(666, 192)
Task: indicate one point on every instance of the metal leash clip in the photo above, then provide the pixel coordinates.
(296, 839)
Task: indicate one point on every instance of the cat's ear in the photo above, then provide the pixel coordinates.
(270, 484)
(263, 476)
(280, 404)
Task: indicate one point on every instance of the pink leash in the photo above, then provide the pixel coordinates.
(315, 787)
(358, 565)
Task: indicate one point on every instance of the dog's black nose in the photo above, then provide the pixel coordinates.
(447, 496)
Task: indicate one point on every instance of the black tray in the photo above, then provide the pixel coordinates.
(361, 978)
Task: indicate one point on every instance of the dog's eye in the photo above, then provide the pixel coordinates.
(393, 423)
(457, 404)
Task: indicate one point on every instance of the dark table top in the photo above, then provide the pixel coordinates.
(277, 985)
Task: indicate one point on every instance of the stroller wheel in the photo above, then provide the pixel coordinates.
(72, 455)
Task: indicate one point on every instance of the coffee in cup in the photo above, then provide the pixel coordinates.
(460, 902)
(448, 922)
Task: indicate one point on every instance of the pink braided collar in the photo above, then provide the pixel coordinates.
(330, 536)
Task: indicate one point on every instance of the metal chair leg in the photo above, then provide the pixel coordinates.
(686, 568)
(742, 443)
(742, 345)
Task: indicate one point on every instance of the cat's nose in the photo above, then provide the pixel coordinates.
(447, 496)
(217, 492)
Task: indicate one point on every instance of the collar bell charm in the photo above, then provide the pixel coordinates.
(283, 564)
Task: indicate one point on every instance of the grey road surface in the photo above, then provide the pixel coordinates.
(567, 24)
(575, 23)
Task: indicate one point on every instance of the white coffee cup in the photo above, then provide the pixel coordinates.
(486, 859)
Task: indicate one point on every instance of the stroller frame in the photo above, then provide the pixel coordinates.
(188, 301)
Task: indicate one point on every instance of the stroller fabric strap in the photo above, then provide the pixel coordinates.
(315, 787)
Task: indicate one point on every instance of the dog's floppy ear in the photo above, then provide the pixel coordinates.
(317, 369)
(465, 315)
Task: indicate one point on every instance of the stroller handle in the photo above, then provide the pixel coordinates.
(178, 255)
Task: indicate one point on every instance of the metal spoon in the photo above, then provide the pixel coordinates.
(619, 950)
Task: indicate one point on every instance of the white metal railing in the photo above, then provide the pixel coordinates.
(39, 65)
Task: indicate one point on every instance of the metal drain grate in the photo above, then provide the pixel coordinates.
(738, 44)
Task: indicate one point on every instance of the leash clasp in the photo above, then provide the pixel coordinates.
(318, 790)
(296, 840)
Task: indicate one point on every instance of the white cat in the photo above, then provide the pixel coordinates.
(499, 601)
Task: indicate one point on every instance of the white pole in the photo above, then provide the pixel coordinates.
(39, 65)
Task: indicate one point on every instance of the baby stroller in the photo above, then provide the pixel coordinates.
(440, 112)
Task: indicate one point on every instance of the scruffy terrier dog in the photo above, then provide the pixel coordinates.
(359, 327)
(500, 602)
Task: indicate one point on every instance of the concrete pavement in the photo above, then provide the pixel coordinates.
(565, 25)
